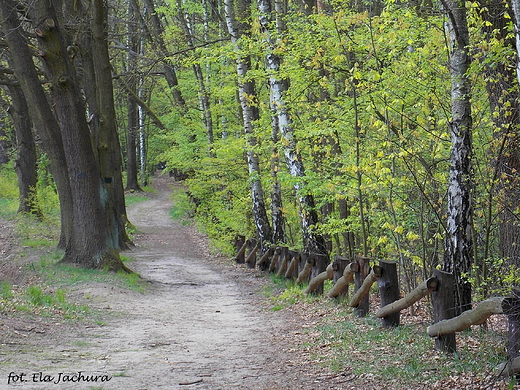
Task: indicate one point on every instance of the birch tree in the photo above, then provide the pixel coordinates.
(248, 103)
(277, 86)
(458, 256)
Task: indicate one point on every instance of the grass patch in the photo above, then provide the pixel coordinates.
(134, 198)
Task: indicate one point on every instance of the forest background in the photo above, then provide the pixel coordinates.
(323, 126)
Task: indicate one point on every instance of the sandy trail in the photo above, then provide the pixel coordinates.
(199, 324)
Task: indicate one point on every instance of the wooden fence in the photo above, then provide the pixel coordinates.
(314, 269)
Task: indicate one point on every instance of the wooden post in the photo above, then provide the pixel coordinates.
(251, 257)
(283, 261)
(341, 264)
(262, 263)
(343, 282)
(511, 307)
(318, 280)
(274, 259)
(388, 284)
(305, 266)
(364, 290)
(240, 258)
(363, 269)
(320, 265)
(292, 269)
(443, 299)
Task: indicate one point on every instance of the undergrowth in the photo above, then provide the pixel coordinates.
(403, 356)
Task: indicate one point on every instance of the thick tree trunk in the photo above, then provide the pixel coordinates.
(108, 148)
(40, 112)
(458, 255)
(247, 97)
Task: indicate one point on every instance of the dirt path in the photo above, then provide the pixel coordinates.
(199, 324)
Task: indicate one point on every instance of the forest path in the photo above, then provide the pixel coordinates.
(200, 323)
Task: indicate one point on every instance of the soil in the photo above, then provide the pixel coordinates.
(201, 322)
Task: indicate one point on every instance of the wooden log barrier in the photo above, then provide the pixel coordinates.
(365, 287)
(240, 257)
(413, 296)
(321, 262)
(359, 277)
(319, 279)
(292, 268)
(443, 300)
(343, 282)
(476, 316)
(388, 284)
(262, 261)
(304, 274)
(254, 246)
(284, 257)
(274, 259)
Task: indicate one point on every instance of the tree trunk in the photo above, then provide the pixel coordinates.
(308, 216)
(41, 113)
(26, 159)
(108, 148)
(247, 97)
(458, 255)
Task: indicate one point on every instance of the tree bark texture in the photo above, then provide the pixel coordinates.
(250, 114)
(458, 255)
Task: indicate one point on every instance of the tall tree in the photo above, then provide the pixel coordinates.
(65, 134)
(250, 114)
(278, 86)
(458, 256)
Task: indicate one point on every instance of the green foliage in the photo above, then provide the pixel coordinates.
(8, 192)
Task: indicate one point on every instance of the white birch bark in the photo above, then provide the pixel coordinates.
(458, 255)
(249, 115)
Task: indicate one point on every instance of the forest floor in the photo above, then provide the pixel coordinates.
(199, 322)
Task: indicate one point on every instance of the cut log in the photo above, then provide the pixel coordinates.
(306, 271)
(512, 367)
(342, 282)
(318, 280)
(413, 296)
(321, 262)
(476, 316)
(365, 287)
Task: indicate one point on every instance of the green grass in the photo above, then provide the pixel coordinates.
(134, 198)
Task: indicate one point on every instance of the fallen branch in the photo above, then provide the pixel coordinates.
(413, 296)
(476, 316)
(365, 287)
(319, 279)
(341, 283)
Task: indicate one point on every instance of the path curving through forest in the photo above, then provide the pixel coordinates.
(200, 323)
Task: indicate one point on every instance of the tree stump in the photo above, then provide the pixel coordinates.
(443, 299)
(388, 284)
(320, 265)
(363, 269)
